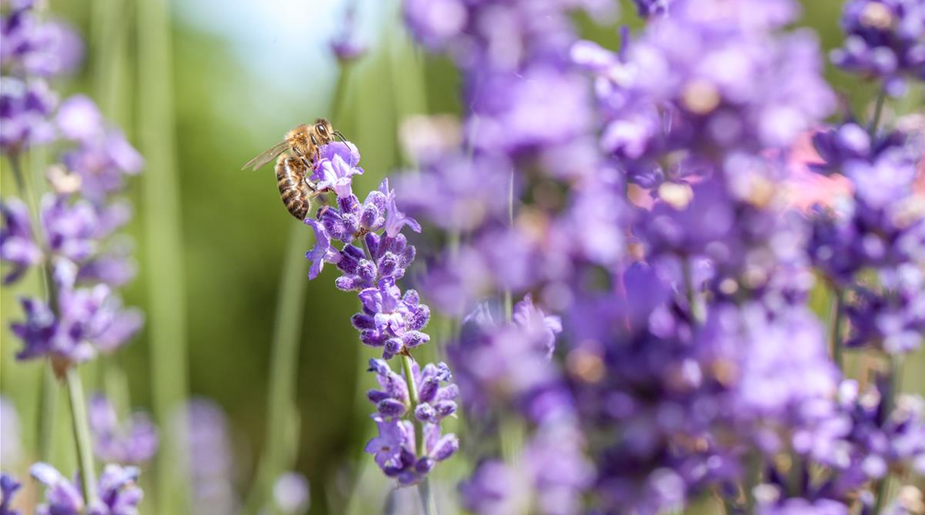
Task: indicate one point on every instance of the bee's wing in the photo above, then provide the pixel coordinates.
(266, 156)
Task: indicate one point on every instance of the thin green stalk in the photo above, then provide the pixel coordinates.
(283, 367)
(752, 479)
(48, 385)
(693, 300)
(835, 328)
(424, 487)
(889, 402)
(48, 407)
(878, 112)
(164, 244)
(81, 435)
(508, 299)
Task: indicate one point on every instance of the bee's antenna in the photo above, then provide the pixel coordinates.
(340, 136)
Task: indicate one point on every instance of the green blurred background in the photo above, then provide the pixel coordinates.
(242, 74)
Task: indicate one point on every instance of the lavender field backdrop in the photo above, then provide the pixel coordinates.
(570, 257)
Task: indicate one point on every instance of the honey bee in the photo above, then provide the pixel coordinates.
(292, 172)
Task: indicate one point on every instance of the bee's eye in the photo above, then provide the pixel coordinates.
(321, 128)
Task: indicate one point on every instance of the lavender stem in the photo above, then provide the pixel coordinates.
(835, 328)
(423, 487)
(81, 430)
(165, 266)
(693, 300)
(878, 112)
(48, 387)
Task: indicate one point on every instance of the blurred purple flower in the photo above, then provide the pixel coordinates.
(885, 39)
(345, 44)
(134, 441)
(17, 241)
(8, 488)
(83, 321)
(119, 495)
(35, 47)
(24, 109)
(211, 457)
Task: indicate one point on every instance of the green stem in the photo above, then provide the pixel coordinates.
(889, 402)
(752, 478)
(836, 315)
(878, 112)
(283, 368)
(508, 299)
(48, 407)
(48, 386)
(164, 248)
(81, 435)
(693, 300)
(423, 488)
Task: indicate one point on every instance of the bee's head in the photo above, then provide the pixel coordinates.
(324, 130)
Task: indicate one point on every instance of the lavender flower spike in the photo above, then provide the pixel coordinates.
(119, 494)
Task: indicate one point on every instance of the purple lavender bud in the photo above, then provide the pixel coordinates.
(445, 447)
(412, 339)
(444, 409)
(24, 108)
(8, 488)
(362, 322)
(366, 271)
(424, 465)
(369, 217)
(373, 338)
(420, 315)
(425, 413)
(427, 389)
(392, 347)
(391, 408)
(648, 8)
(388, 265)
(135, 441)
(349, 204)
(376, 396)
(17, 242)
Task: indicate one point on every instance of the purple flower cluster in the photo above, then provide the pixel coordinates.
(76, 241)
(645, 202)
(885, 40)
(33, 50)
(72, 240)
(409, 409)
(395, 448)
(880, 229)
(118, 492)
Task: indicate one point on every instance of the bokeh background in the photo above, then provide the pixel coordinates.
(211, 246)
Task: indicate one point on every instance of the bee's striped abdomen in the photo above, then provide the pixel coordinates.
(293, 190)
